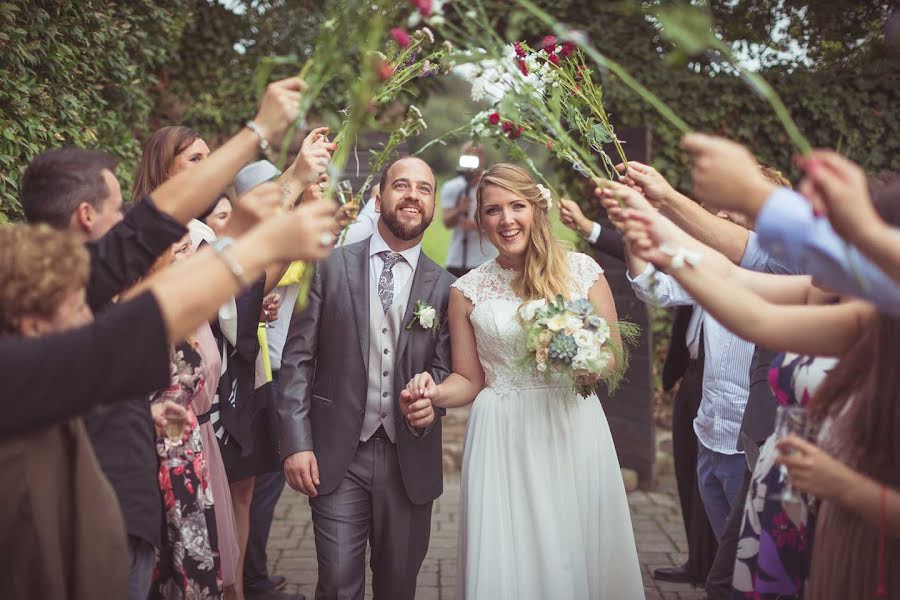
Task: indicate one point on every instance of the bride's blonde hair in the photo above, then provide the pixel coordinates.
(546, 271)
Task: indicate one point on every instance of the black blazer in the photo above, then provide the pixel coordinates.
(610, 242)
(323, 380)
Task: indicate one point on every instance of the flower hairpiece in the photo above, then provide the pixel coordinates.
(545, 193)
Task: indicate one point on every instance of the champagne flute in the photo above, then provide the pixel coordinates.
(176, 422)
(791, 420)
(344, 192)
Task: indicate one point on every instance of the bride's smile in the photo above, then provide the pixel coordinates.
(507, 220)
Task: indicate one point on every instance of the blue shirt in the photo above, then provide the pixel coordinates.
(788, 229)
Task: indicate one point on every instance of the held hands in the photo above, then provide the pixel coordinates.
(279, 106)
(726, 174)
(814, 471)
(416, 400)
(302, 472)
(837, 187)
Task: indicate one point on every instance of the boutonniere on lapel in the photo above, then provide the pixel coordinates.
(426, 316)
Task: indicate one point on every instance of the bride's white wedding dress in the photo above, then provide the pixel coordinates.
(543, 512)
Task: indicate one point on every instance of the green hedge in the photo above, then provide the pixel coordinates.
(78, 73)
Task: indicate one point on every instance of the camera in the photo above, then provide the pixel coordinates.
(468, 162)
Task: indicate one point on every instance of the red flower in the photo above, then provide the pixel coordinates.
(494, 118)
(508, 125)
(554, 59)
(424, 6)
(523, 67)
(514, 133)
(567, 48)
(520, 52)
(549, 43)
(550, 145)
(400, 36)
(384, 69)
(576, 90)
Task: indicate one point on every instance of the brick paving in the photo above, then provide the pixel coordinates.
(655, 515)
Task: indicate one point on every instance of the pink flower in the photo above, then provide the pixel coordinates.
(554, 59)
(424, 6)
(550, 145)
(567, 49)
(494, 118)
(549, 44)
(400, 36)
(520, 52)
(523, 67)
(508, 126)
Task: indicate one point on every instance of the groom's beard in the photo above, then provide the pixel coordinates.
(401, 230)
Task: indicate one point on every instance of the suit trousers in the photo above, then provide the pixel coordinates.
(370, 505)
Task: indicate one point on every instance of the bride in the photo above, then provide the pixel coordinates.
(543, 509)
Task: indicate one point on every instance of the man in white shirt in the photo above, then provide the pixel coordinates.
(467, 247)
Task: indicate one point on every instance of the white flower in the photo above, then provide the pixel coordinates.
(542, 366)
(588, 353)
(428, 33)
(448, 46)
(545, 193)
(602, 333)
(579, 363)
(557, 322)
(529, 309)
(426, 317)
(583, 338)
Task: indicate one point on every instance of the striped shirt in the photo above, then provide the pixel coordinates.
(726, 370)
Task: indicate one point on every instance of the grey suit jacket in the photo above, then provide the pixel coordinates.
(323, 379)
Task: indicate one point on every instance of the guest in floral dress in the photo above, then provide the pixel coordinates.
(187, 564)
(773, 554)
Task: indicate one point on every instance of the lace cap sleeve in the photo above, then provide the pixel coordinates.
(585, 272)
(470, 284)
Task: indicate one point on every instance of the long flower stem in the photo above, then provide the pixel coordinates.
(661, 107)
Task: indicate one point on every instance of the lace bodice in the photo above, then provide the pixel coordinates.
(498, 334)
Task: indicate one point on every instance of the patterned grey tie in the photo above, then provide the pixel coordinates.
(386, 281)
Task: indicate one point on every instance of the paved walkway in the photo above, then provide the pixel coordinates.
(655, 516)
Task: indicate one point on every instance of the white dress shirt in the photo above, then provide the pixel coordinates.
(467, 248)
(403, 270)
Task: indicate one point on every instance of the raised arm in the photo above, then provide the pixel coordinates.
(724, 236)
(827, 330)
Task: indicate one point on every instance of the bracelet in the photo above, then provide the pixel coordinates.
(681, 256)
(219, 246)
(263, 142)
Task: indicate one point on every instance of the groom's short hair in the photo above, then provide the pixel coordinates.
(383, 177)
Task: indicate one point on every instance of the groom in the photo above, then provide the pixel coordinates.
(369, 474)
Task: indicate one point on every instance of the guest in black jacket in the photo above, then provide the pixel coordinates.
(607, 240)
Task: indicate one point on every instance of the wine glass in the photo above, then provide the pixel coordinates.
(791, 420)
(176, 423)
(344, 192)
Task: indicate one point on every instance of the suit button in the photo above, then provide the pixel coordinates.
(384, 330)
(384, 395)
(384, 415)
(386, 373)
(385, 350)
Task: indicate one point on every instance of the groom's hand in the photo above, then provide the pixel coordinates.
(415, 400)
(302, 472)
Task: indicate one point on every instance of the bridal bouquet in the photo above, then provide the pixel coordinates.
(570, 339)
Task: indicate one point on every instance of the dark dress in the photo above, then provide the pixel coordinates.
(187, 564)
(774, 548)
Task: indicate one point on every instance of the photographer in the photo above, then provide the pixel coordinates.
(467, 249)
